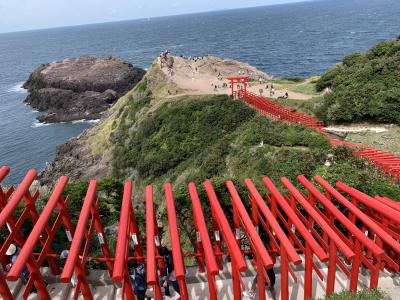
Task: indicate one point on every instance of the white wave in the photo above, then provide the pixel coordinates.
(93, 121)
(18, 88)
(37, 124)
(85, 121)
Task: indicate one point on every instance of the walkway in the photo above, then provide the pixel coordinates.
(386, 163)
(315, 232)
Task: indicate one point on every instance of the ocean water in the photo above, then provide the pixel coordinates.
(284, 40)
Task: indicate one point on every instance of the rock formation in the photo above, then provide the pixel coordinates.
(82, 88)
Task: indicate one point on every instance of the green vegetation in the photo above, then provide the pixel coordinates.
(360, 295)
(298, 85)
(154, 139)
(192, 138)
(365, 86)
(308, 107)
(388, 140)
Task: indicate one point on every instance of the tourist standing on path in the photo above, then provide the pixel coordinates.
(64, 256)
(137, 272)
(169, 271)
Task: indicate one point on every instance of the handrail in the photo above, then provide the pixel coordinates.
(37, 230)
(223, 225)
(292, 253)
(317, 249)
(122, 240)
(174, 234)
(205, 238)
(317, 217)
(16, 197)
(389, 202)
(79, 233)
(360, 215)
(4, 170)
(249, 227)
(150, 245)
(371, 202)
(341, 217)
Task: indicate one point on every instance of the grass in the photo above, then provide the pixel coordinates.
(154, 139)
(304, 87)
(360, 295)
(388, 140)
(305, 106)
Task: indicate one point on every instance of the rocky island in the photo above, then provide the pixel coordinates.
(79, 88)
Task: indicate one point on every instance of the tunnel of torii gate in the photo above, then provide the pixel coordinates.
(318, 226)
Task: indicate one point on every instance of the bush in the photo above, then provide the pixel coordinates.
(360, 295)
(175, 133)
(296, 79)
(365, 87)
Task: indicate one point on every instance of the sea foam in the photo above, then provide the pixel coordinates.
(37, 124)
(85, 121)
(18, 88)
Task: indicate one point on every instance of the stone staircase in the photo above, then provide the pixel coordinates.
(103, 288)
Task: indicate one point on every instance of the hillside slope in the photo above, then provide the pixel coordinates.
(153, 138)
(365, 86)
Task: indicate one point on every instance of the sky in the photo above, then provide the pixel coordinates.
(19, 15)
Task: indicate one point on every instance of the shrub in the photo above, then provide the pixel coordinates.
(365, 87)
(360, 295)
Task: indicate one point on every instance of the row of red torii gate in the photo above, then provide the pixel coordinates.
(315, 224)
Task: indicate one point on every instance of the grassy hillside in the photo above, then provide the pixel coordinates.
(152, 138)
(365, 86)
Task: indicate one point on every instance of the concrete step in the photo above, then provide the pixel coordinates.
(197, 284)
(15, 287)
(99, 292)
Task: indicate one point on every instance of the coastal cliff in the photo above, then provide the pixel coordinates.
(79, 88)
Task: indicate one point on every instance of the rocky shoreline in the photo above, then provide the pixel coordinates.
(79, 88)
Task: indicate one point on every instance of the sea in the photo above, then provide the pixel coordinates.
(300, 39)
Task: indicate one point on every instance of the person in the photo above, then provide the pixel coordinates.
(12, 255)
(251, 293)
(286, 95)
(272, 92)
(169, 271)
(137, 272)
(63, 256)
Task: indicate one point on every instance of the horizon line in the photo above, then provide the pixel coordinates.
(155, 17)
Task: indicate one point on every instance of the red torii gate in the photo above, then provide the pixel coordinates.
(386, 163)
(296, 222)
(240, 80)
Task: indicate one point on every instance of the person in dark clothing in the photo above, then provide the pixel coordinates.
(272, 279)
(137, 272)
(169, 271)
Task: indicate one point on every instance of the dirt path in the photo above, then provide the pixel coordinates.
(207, 75)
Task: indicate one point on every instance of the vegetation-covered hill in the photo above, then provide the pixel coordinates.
(153, 139)
(365, 86)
